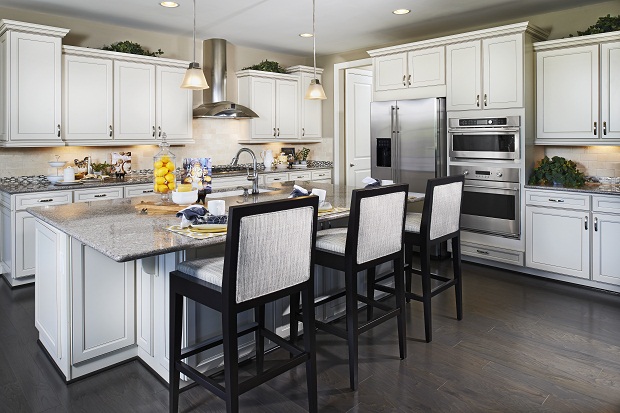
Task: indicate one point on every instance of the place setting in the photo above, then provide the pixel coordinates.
(199, 222)
(325, 207)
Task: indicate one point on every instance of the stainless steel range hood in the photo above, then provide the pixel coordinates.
(221, 108)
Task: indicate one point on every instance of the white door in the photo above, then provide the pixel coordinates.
(610, 85)
(134, 102)
(391, 72)
(358, 95)
(287, 103)
(311, 111)
(502, 72)
(263, 102)
(567, 93)
(463, 76)
(173, 105)
(87, 99)
(605, 241)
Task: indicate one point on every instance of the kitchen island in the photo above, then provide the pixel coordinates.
(102, 280)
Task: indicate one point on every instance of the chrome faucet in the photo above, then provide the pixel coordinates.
(251, 177)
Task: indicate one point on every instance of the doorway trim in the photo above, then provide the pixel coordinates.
(339, 73)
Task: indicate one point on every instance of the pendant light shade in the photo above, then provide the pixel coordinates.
(315, 90)
(194, 76)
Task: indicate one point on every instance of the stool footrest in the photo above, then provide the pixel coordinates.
(378, 320)
(285, 344)
(327, 299)
(374, 303)
(212, 342)
(201, 379)
(275, 371)
(433, 276)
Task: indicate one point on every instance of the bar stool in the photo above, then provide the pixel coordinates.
(264, 261)
(374, 236)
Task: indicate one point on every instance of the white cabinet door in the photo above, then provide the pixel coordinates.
(390, 72)
(134, 101)
(35, 91)
(558, 240)
(605, 241)
(567, 93)
(87, 99)
(24, 241)
(103, 303)
(311, 111)
(463, 76)
(502, 71)
(610, 85)
(263, 102)
(427, 67)
(287, 104)
(174, 105)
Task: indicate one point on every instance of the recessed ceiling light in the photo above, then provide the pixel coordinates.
(305, 35)
(170, 4)
(401, 11)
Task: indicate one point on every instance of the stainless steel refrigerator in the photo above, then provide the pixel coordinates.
(409, 139)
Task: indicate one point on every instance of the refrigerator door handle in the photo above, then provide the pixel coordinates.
(396, 145)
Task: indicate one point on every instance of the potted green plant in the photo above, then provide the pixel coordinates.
(302, 155)
(557, 171)
(100, 168)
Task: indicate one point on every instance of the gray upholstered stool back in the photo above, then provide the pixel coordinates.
(445, 217)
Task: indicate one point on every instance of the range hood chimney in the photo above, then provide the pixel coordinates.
(221, 108)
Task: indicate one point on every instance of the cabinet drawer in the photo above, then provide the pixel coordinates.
(98, 194)
(270, 178)
(558, 199)
(42, 198)
(306, 175)
(495, 254)
(606, 204)
(231, 181)
(138, 190)
(323, 174)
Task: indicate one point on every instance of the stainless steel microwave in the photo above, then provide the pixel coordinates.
(485, 138)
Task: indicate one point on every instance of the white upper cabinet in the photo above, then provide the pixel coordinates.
(30, 84)
(390, 71)
(577, 82)
(486, 74)
(275, 99)
(416, 68)
(111, 98)
(311, 117)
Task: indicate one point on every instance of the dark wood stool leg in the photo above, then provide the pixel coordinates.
(309, 346)
(352, 323)
(408, 261)
(458, 285)
(370, 290)
(425, 261)
(259, 316)
(400, 303)
(231, 359)
(176, 331)
(294, 308)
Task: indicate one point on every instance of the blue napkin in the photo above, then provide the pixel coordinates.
(371, 182)
(196, 214)
(299, 191)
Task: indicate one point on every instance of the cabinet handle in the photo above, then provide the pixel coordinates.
(153, 131)
(482, 252)
(147, 191)
(485, 99)
(45, 200)
(404, 78)
(300, 176)
(303, 131)
(595, 224)
(111, 131)
(101, 195)
(276, 179)
(274, 131)
(278, 131)
(556, 200)
(409, 80)
(351, 165)
(586, 223)
(58, 127)
(604, 128)
(159, 132)
(594, 128)
(478, 101)
(321, 174)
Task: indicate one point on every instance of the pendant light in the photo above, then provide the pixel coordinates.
(194, 76)
(315, 90)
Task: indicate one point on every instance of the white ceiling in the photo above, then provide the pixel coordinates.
(341, 25)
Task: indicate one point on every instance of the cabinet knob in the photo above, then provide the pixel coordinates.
(153, 131)
(604, 128)
(595, 128)
(159, 131)
(278, 131)
(303, 131)
(485, 99)
(478, 101)
(585, 223)
(351, 165)
(58, 127)
(404, 78)
(110, 130)
(595, 224)
(274, 131)
(409, 80)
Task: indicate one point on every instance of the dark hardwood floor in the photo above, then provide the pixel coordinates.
(525, 345)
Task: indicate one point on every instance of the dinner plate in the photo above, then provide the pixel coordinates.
(208, 227)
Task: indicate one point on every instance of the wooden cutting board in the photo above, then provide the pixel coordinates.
(151, 208)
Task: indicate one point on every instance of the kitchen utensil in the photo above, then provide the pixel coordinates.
(54, 178)
(267, 157)
(216, 207)
(185, 198)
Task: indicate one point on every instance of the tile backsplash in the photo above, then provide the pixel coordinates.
(215, 138)
(591, 160)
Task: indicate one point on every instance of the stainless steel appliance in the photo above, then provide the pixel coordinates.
(408, 139)
(491, 200)
(484, 138)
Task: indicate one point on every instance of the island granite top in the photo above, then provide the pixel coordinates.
(117, 229)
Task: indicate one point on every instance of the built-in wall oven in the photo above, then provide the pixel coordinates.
(484, 138)
(491, 199)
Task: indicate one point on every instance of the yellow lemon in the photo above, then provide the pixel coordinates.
(169, 177)
(165, 159)
(171, 185)
(162, 188)
(207, 178)
(160, 180)
(170, 166)
(158, 164)
(155, 186)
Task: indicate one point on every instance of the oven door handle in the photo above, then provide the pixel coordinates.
(483, 131)
(492, 188)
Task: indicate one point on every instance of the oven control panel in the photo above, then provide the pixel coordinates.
(506, 121)
(486, 173)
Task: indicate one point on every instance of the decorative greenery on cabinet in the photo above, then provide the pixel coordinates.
(267, 66)
(604, 24)
(131, 48)
(557, 170)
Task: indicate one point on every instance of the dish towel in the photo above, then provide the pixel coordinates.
(299, 191)
(196, 214)
(371, 182)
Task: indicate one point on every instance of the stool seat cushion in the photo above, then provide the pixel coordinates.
(412, 222)
(333, 240)
(205, 269)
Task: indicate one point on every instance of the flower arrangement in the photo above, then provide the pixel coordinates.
(302, 155)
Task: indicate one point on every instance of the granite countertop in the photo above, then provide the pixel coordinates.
(588, 188)
(117, 230)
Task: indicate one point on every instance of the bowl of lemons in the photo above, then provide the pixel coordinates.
(184, 194)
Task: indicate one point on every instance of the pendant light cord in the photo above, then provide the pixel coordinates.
(194, 44)
(313, 36)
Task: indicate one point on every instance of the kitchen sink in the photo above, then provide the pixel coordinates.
(238, 192)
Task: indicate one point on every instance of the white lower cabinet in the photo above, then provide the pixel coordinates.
(605, 242)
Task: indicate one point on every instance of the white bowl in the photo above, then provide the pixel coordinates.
(54, 178)
(185, 198)
(57, 164)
